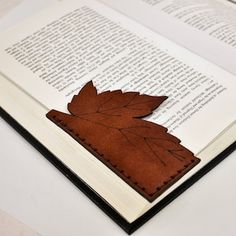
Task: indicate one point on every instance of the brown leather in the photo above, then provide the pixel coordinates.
(142, 153)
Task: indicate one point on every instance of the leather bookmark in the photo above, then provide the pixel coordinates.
(109, 125)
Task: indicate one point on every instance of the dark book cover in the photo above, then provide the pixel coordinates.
(98, 200)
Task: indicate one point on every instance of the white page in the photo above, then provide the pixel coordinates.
(55, 79)
(14, 11)
(206, 27)
(6, 6)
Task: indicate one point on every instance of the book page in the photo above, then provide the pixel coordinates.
(206, 27)
(6, 6)
(14, 11)
(54, 54)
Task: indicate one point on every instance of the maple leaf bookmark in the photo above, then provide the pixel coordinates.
(142, 153)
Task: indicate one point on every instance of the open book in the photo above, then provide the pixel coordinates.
(47, 59)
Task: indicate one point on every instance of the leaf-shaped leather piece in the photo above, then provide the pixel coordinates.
(113, 103)
(142, 153)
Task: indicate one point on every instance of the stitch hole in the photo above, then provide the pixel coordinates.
(128, 177)
(54, 116)
(158, 188)
(143, 189)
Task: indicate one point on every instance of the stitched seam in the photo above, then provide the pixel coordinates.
(64, 126)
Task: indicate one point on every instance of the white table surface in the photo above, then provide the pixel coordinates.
(33, 191)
